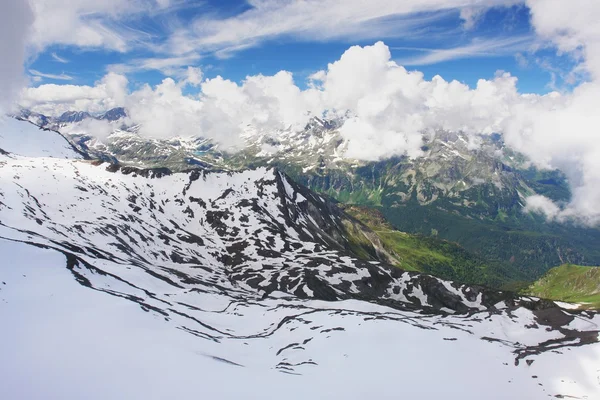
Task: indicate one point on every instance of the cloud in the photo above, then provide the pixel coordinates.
(164, 111)
(521, 60)
(471, 16)
(59, 59)
(221, 110)
(122, 25)
(478, 48)
(542, 205)
(54, 99)
(391, 107)
(61, 77)
(169, 66)
(99, 129)
(91, 23)
(193, 76)
(317, 20)
(388, 107)
(574, 31)
(563, 133)
(16, 19)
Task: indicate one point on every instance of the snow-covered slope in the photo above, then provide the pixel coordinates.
(129, 283)
(67, 341)
(26, 139)
(254, 230)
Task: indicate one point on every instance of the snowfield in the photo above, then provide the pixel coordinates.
(123, 284)
(26, 139)
(64, 341)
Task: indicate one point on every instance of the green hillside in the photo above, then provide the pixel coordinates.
(430, 255)
(487, 221)
(570, 283)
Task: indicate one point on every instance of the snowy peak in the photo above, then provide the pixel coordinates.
(72, 116)
(33, 117)
(318, 124)
(114, 114)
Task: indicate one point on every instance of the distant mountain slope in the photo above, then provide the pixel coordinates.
(72, 116)
(570, 283)
(431, 255)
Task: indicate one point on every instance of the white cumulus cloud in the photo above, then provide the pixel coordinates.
(54, 99)
(542, 205)
(89, 23)
(565, 133)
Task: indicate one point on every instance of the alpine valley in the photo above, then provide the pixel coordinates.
(138, 268)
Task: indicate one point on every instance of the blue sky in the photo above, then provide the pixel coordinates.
(436, 42)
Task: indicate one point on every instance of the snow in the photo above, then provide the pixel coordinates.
(568, 306)
(474, 304)
(66, 341)
(69, 342)
(25, 139)
(151, 327)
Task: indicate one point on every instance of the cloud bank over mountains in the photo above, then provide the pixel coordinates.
(388, 108)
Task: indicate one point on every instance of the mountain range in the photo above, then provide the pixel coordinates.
(243, 282)
(470, 192)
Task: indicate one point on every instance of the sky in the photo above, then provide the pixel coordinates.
(151, 40)
(394, 70)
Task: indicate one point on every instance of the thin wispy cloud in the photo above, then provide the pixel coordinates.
(61, 77)
(323, 20)
(59, 59)
(155, 26)
(166, 65)
(479, 48)
(105, 24)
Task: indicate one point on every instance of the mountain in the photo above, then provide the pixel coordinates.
(467, 191)
(35, 118)
(128, 148)
(570, 283)
(431, 255)
(114, 114)
(471, 196)
(71, 119)
(419, 253)
(72, 116)
(257, 229)
(124, 282)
